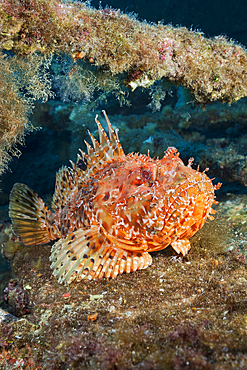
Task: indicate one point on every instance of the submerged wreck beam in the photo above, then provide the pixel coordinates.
(212, 69)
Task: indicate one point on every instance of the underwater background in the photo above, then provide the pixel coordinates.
(195, 314)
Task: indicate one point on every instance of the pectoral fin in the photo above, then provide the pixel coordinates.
(181, 246)
(86, 253)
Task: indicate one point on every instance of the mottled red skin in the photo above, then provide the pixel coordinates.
(142, 204)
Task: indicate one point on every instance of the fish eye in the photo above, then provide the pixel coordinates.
(146, 174)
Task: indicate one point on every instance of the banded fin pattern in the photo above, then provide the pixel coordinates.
(29, 214)
(86, 254)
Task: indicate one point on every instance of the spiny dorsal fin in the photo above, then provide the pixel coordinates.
(68, 180)
(103, 155)
(104, 150)
(112, 144)
(86, 163)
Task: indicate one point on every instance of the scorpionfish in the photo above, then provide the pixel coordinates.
(109, 210)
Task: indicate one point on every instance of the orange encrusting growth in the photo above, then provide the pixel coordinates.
(111, 209)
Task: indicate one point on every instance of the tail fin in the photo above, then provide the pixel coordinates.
(29, 214)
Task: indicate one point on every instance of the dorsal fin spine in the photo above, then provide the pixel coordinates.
(72, 164)
(89, 148)
(109, 126)
(94, 142)
(102, 135)
(119, 146)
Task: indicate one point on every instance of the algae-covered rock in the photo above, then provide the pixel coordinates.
(16, 298)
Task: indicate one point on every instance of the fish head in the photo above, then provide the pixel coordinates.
(182, 201)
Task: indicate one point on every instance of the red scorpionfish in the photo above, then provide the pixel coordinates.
(109, 210)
